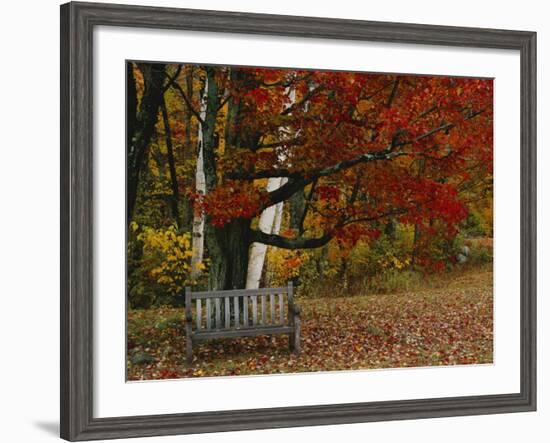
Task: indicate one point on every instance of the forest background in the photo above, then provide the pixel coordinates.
(349, 184)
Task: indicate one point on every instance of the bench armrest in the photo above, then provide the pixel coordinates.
(188, 317)
(295, 309)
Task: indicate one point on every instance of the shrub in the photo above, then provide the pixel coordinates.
(159, 265)
(481, 250)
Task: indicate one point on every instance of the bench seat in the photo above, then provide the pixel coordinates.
(242, 332)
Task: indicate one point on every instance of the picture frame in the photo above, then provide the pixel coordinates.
(78, 21)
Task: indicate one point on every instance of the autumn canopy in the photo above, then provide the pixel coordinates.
(236, 158)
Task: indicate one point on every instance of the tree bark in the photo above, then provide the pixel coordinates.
(234, 109)
(188, 114)
(296, 205)
(227, 245)
(269, 223)
(189, 151)
(171, 164)
(258, 251)
(209, 128)
(278, 215)
(131, 105)
(223, 243)
(200, 188)
(228, 252)
(142, 127)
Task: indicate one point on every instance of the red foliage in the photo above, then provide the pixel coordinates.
(234, 200)
(439, 131)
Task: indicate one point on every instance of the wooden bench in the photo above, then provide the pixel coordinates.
(235, 313)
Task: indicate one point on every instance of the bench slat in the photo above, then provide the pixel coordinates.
(199, 314)
(208, 314)
(281, 310)
(236, 311)
(236, 293)
(227, 314)
(254, 310)
(243, 332)
(263, 306)
(218, 313)
(272, 308)
(245, 311)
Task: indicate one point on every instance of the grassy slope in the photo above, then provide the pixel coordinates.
(449, 322)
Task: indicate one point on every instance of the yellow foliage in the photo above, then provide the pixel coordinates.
(168, 254)
(285, 264)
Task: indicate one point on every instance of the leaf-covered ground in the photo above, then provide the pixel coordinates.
(450, 322)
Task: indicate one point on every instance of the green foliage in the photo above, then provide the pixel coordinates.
(388, 252)
(382, 265)
(474, 225)
(378, 265)
(481, 251)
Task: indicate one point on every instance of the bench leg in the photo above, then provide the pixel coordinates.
(294, 337)
(189, 349)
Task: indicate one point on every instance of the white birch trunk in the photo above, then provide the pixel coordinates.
(278, 212)
(258, 250)
(270, 223)
(200, 187)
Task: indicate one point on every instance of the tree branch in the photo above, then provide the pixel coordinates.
(378, 91)
(288, 142)
(313, 242)
(224, 101)
(286, 83)
(306, 207)
(304, 99)
(178, 88)
(172, 79)
(391, 213)
(267, 173)
(393, 93)
(299, 181)
(290, 243)
(443, 127)
(386, 154)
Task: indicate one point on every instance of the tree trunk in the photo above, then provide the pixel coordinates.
(189, 150)
(142, 126)
(258, 250)
(174, 201)
(221, 242)
(209, 138)
(188, 113)
(296, 206)
(131, 105)
(228, 254)
(234, 107)
(270, 222)
(200, 188)
(278, 213)
(228, 245)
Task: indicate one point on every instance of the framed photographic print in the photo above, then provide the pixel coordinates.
(274, 221)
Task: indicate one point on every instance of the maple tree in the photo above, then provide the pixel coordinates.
(353, 150)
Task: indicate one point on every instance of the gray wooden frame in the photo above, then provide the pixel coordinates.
(77, 23)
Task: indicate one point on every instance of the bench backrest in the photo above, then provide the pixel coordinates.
(240, 308)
